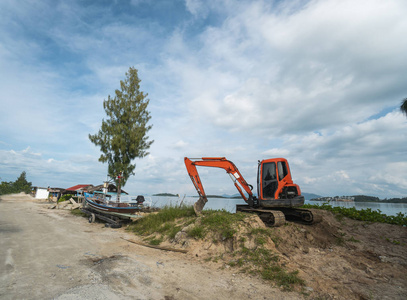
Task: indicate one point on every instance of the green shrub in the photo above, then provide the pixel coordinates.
(220, 225)
(158, 222)
(367, 214)
(66, 197)
(156, 242)
(197, 232)
(221, 222)
(18, 186)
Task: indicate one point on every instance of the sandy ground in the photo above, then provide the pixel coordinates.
(347, 259)
(51, 254)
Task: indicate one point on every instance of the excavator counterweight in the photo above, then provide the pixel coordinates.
(278, 197)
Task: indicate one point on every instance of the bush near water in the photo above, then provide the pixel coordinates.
(367, 214)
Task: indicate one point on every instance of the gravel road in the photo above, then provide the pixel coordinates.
(51, 254)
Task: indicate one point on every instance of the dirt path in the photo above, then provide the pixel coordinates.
(51, 254)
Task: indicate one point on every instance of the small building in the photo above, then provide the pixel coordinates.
(78, 190)
(111, 188)
(40, 192)
(56, 192)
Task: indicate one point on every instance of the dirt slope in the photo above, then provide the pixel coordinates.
(337, 258)
(348, 259)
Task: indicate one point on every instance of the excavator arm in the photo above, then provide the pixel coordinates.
(216, 162)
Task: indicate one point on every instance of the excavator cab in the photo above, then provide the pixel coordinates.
(275, 185)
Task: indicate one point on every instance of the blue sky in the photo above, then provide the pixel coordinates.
(317, 82)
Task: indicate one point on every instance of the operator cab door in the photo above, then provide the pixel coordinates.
(268, 180)
(282, 170)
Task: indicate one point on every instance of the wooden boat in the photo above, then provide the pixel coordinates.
(101, 203)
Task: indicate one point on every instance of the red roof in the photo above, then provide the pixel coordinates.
(77, 187)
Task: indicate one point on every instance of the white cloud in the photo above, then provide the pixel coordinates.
(310, 69)
(44, 171)
(352, 159)
(180, 144)
(243, 80)
(276, 152)
(197, 8)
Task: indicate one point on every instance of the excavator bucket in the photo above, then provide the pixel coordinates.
(199, 205)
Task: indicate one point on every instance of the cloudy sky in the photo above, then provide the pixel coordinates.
(317, 82)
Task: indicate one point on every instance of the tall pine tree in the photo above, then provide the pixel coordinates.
(123, 135)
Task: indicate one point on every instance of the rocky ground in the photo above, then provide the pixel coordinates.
(348, 259)
(338, 258)
(53, 254)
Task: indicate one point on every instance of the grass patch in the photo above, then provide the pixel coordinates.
(367, 214)
(266, 264)
(262, 234)
(221, 222)
(353, 240)
(282, 277)
(394, 242)
(162, 222)
(197, 232)
(155, 242)
(67, 197)
(219, 226)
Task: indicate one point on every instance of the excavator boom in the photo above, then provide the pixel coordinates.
(217, 162)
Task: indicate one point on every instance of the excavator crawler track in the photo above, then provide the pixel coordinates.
(278, 216)
(302, 215)
(273, 218)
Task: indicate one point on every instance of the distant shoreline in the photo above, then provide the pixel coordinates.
(166, 195)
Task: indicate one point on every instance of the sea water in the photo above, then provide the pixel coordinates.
(228, 204)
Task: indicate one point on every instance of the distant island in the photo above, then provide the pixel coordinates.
(309, 196)
(213, 196)
(360, 198)
(166, 195)
(314, 197)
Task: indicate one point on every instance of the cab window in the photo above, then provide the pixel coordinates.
(282, 170)
(269, 180)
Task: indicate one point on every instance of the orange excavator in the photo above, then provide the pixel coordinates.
(278, 197)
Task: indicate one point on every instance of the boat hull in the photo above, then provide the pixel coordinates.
(128, 210)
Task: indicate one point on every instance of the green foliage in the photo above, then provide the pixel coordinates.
(266, 264)
(281, 276)
(394, 242)
(363, 198)
(156, 242)
(67, 197)
(122, 136)
(18, 186)
(219, 226)
(221, 222)
(353, 240)
(403, 106)
(395, 200)
(157, 222)
(197, 232)
(367, 214)
(78, 212)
